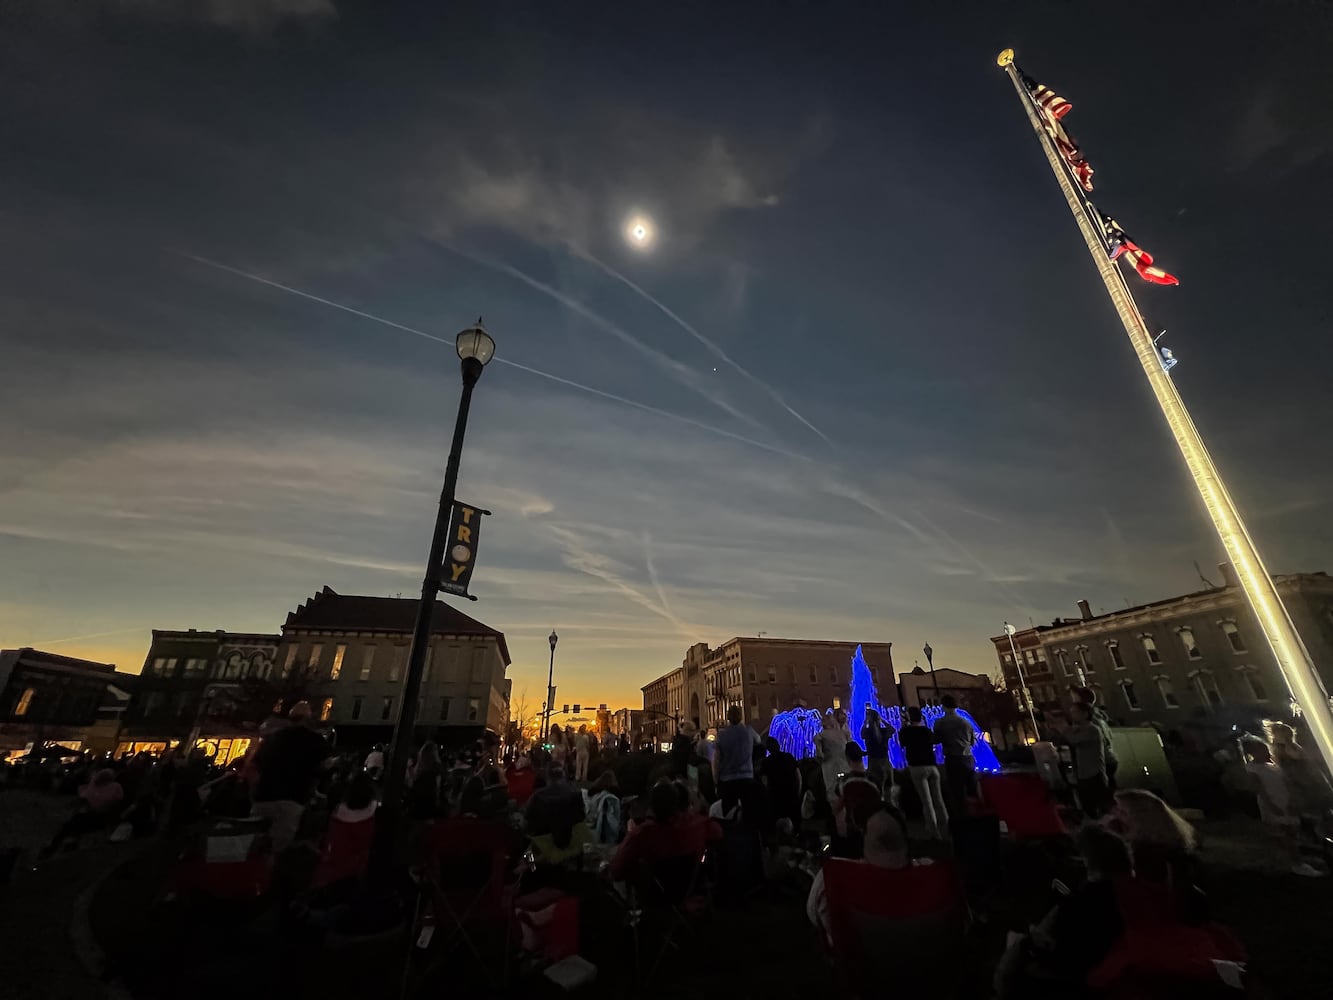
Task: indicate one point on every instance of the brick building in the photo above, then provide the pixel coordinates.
(764, 676)
(1198, 659)
(354, 650)
(49, 698)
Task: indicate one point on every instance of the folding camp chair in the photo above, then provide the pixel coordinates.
(1025, 805)
(1158, 957)
(464, 888)
(344, 852)
(231, 861)
(896, 930)
(673, 895)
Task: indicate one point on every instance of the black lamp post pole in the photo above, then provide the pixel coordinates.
(550, 679)
(930, 661)
(430, 587)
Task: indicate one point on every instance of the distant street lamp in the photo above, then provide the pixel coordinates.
(931, 663)
(550, 680)
(475, 348)
(1009, 630)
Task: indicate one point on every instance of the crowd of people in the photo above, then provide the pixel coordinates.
(596, 809)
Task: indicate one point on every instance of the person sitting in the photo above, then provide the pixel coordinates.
(102, 798)
(1163, 843)
(555, 809)
(670, 832)
(856, 797)
(1054, 959)
(885, 846)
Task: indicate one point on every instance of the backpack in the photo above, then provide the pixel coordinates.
(604, 817)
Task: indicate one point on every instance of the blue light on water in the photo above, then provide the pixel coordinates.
(796, 729)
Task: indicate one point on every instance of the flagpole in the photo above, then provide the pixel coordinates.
(1293, 659)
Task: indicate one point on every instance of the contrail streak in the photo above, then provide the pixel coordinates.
(666, 414)
(689, 328)
(682, 373)
(91, 635)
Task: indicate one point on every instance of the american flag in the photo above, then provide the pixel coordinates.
(1118, 244)
(1051, 108)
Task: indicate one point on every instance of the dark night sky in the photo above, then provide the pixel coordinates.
(924, 419)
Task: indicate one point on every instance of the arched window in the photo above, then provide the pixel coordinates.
(1232, 632)
(1253, 683)
(1190, 643)
(1150, 648)
(1167, 692)
(1206, 686)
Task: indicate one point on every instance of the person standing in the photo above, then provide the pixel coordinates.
(288, 762)
(782, 775)
(919, 745)
(831, 748)
(733, 760)
(1088, 745)
(956, 735)
(582, 751)
(875, 738)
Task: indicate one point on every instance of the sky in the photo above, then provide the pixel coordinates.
(865, 384)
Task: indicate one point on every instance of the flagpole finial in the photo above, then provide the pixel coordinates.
(1005, 58)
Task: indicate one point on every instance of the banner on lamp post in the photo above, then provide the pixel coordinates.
(460, 554)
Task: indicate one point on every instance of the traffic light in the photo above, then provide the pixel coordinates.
(577, 709)
(566, 712)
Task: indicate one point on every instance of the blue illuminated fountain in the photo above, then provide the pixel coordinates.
(796, 729)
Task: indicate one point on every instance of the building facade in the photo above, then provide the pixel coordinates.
(1199, 659)
(763, 676)
(49, 698)
(353, 650)
(194, 685)
(921, 687)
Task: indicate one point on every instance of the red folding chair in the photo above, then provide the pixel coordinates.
(1025, 805)
(231, 861)
(895, 929)
(1160, 958)
(463, 885)
(521, 784)
(345, 852)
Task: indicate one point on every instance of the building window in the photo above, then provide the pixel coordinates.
(1150, 648)
(290, 661)
(754, 675)
(1008, 659)
(164, 666)
(339, 651)
(1117, 657)
(814, 674)
(1167, 692)
(833, 675)
(754, 704)
(1257, 690)
(793, 673)
(772, 675)
(399, 656)
(1063, 657)
(386, 709)
(1131, 697)
(1206, 685)
(444, 709)
(1027, 655)
(773, 702)
(425, 669)
(837, 704)
(197, 667)
(473, 709)
(356, 708)
(367, 661)
(1191, 644)
(1234, 637)
(1085, 660)
(326, 711)
(316, 653)
(25, 701)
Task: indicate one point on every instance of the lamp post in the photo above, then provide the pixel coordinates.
(1022, 682)
(475, 348)
(930, 662)
(550, 680)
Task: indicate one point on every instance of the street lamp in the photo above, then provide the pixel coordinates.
(475, 348)
(550, 691)
(931, 663)
(1009, 630)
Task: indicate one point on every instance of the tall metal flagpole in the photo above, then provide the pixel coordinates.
(1293, 659)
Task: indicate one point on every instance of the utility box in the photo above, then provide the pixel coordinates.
(1143, 762)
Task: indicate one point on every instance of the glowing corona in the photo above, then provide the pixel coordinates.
(1293, 658)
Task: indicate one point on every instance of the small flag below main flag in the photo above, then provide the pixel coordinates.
(1051, 108)
(1118, 244)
